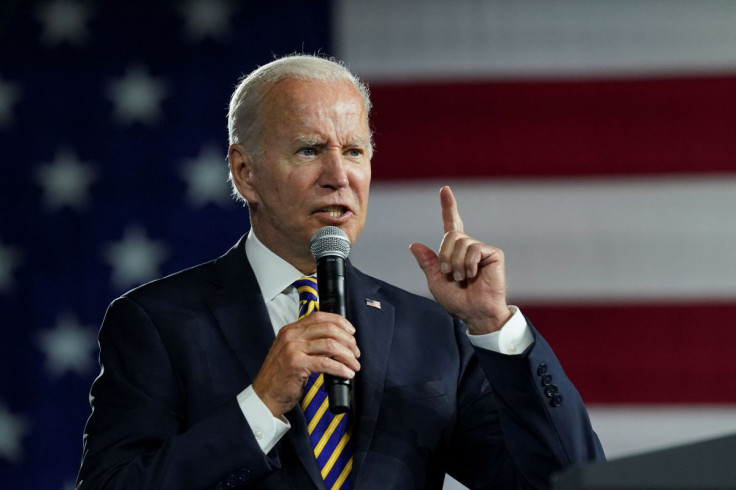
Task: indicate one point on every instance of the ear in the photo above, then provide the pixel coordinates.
(241, 168)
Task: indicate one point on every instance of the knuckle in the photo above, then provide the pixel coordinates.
(287, 333)
(332, 330)
(475, 249)
(325, 363)
(314, 317)
(464, 241)
(331, 345)
(284, 337)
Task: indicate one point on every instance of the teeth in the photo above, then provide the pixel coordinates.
(334, 211)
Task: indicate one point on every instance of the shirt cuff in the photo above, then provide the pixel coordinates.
(266, 428)
(513, 338)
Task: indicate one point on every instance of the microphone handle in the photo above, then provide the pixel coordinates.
(331, 285)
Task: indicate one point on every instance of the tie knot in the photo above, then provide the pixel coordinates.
(308, 296)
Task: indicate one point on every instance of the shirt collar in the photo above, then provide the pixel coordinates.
(274, 274)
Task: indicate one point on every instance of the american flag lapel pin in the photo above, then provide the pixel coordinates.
(373, 303)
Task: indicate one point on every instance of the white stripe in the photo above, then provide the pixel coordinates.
(626, 430)
(571, 240)
(394, 40)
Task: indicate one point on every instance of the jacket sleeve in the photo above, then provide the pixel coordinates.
(139, 436)
(543, 422)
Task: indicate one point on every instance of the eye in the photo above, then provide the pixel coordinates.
(307, 152)
(355, 152)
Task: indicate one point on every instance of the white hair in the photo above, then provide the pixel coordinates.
(243, 118)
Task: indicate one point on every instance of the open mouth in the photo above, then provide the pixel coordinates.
(334, 211)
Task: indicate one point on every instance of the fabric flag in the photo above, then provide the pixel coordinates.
(114, 144)
(592, 142)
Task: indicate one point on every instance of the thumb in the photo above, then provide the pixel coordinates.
(426, 258)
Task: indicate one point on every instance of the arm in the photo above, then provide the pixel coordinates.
(139, 436)
(543, 431)
(509, 433)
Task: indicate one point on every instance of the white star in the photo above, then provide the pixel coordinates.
(207, 18)
(135, 259)
(9, 96)
(137, 97)
(10, 258)
(12, 429)
(206, 178)
(66, 181)
(64, 21)
(68, 347)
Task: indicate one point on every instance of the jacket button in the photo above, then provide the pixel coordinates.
(550, 390)
(556, 400)
(243, 476)
(542, 369)
(546, 379)
(231, 481)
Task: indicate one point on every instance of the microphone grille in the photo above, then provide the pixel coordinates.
(329, 240)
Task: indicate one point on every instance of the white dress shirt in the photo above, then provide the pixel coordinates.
(275, 278)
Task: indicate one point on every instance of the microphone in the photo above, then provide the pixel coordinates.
(330, 247)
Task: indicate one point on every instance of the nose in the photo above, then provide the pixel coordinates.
(334, 171)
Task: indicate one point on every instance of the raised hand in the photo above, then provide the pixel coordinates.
(467, 277)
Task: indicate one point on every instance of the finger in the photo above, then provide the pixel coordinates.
(310, 329)
(321, 331)
(447, 250)
(473, 258)
(450, 214)
(334, 350)
(327, 365)
(459, 258)
(329, 318)
(426, 258)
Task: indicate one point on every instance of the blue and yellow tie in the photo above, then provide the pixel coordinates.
(329, 434)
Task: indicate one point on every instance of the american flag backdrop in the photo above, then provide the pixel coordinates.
(593, 141)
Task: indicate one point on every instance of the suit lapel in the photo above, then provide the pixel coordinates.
(374, 331)
(240, 310)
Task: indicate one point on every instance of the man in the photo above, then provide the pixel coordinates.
(204, 372)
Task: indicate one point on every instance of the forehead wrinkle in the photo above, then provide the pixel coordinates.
(322, 140)
(338, 122)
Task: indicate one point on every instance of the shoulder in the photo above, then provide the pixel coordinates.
(191, 285)
(164, 297)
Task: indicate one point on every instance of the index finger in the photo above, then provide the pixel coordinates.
(450, 215)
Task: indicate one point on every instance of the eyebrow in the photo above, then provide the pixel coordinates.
(309, 142)
(314, 142)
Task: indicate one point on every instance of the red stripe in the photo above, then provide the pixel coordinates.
(644, 354)
(554, 128)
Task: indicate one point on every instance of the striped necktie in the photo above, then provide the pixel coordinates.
(328, 433)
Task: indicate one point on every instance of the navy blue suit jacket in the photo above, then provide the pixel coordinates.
(176, 352)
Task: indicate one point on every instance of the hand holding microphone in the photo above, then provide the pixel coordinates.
(322, 342)
(330, 247)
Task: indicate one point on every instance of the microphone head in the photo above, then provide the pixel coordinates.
(329, 240)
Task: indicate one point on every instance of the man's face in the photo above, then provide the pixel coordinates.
(314, 167)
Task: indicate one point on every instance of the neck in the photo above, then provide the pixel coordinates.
(305, 263)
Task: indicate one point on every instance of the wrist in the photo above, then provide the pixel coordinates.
(489, 323)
